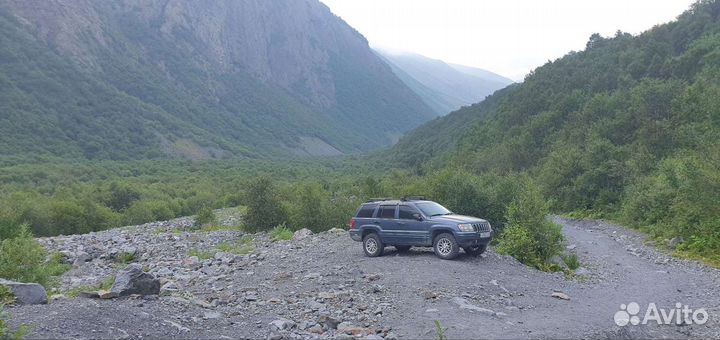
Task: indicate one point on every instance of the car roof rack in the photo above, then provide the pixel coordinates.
(413, 198)
(379, 199)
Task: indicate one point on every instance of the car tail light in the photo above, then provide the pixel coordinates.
(352, 223)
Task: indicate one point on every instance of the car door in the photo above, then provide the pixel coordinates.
(385, 218)
(414, 231)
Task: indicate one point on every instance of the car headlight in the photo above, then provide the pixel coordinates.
(465, 227)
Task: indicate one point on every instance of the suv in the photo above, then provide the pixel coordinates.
(414, 221)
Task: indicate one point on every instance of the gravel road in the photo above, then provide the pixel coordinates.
(306, 287)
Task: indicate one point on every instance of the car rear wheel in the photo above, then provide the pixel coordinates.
(402, 249)
(372, 245)
(446, 247)
(475, 250)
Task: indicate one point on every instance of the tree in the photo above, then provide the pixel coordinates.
(265, 210)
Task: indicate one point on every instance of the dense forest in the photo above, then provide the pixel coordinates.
(628, 128)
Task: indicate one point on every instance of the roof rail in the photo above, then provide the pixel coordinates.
(413, 198)
(379, 199)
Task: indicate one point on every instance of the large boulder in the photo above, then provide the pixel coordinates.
(301, 234)
(26, 293)
(133, 280)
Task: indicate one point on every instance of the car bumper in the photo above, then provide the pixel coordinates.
(355, 235)
(473, 239)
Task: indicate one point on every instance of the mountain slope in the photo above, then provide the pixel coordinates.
(444, 87)
(629, 127)
(168, 78)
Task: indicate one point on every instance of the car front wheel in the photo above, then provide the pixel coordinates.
(446, 246)
(372, 245)
(475, 250)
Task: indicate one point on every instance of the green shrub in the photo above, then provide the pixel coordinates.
(571, 260)
(281, 233)
(517, 242)
(9, 334)
(529, 236)
(23, 259)
(264, 209)
(6, 296)
(205, 216)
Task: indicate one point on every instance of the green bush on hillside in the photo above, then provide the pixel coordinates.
(23, 259)
(529, 236)
(264, 208)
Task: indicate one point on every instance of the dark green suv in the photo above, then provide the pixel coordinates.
(414, 221)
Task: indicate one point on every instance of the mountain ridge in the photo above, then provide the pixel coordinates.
(248, 79)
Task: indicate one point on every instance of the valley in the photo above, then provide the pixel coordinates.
(322, 286)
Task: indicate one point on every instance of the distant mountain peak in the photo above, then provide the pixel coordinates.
(444, 87)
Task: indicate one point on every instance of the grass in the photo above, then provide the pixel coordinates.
(242, 247)
(281, 233)
(6, 296)
(6, 333)
(125, 258)
(201, 254)
(104, 285)
(571, 260)
(439, 331)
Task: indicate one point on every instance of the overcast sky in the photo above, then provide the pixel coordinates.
(510, 37)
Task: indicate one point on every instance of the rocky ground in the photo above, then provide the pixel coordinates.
(223, 284)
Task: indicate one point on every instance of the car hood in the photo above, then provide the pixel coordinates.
(457, 219)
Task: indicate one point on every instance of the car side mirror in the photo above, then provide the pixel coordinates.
(417, 216)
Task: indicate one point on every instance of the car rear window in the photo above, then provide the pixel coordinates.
(366, 210)
(387, 211)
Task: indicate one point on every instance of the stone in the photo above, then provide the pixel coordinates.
(560, 295)
(329, 322)
(282, 324)
(301, 234)
(26, 293)
(557, 260)
(104, 294)
(582, 271)
(315, 329)
(133, 280)
(464, 304)
(674, 242)
(211, 315)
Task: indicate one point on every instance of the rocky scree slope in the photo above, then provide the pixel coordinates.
(322, 286)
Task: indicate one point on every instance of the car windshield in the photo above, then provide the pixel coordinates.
(433, 209)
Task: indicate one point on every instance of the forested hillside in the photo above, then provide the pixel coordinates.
(628, 128)
(90, 79)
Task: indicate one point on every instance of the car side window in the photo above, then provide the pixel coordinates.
(406, 212)
(366, 211)
(386, 211)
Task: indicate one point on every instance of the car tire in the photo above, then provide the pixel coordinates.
(446, 247)
(475, 250)
(372, 245)
(402, 249)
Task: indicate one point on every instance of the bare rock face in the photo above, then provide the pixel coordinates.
(26, 293)
(133, 280)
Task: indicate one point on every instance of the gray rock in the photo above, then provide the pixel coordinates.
(329, 322)
(464, 304)
(301, 234)
(582, 271)
(560, 295)
(282, 324)
(557, 260)
(133, 280)
(26, 293)
(345, 325)
(211, 315)
(674, 242)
